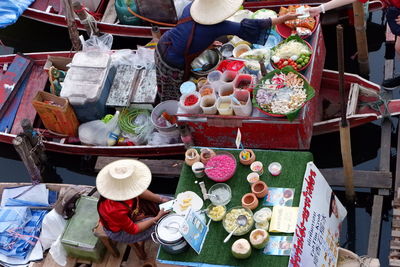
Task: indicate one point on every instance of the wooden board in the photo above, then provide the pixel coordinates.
(36, 83)
(122, 86)
(159, 168)
(12, 79)
(110, 15)
(145, 88)
(374, 232)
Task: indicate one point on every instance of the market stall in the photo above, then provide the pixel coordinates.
(214, 251)
(258, 129)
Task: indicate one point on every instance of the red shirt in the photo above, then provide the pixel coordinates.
(115, 216)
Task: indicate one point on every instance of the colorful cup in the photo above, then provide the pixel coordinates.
(275, 168)
(257, 167)
(198, 169)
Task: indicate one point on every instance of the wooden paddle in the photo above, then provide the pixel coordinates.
(345, 141)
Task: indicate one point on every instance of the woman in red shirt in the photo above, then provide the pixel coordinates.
(127, 210)
(392, 18)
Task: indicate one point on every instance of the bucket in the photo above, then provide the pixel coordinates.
(245, 108)
(169, 106)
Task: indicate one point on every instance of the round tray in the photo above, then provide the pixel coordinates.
(302, 68)
(285, 31)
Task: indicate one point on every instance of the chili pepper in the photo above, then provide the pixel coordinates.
(191, 100)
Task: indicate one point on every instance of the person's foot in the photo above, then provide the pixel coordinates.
(391, 83)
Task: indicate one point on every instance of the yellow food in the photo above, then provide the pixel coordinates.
(217, 213)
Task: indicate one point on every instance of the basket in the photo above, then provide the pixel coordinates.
(58, 117)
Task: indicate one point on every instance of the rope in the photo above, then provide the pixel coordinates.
(150, 20)
(91, 22)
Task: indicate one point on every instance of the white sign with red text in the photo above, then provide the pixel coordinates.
(315, 240)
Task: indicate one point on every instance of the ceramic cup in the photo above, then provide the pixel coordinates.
(195, 168)
(260, 189)
(249, 201)
(253, 177)
(247, 156)
(257, 167)
(275, 168)
(191, 156)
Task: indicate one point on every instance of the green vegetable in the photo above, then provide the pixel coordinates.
(127, 118)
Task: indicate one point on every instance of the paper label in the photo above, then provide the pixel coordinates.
(238, 139)
(279, 197)
(283, 219)
(194, 230)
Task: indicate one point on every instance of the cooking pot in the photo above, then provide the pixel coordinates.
(167, 234)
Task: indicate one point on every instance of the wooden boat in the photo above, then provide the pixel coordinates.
(40, 11)
(39, 78)
(364, 103)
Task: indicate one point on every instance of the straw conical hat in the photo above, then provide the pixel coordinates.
(209, 12)
(123, 179)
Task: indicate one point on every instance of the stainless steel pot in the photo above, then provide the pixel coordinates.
(167, 234)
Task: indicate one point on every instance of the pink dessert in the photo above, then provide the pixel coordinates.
(220, 168)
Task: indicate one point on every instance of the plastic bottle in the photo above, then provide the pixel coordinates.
(114, 130)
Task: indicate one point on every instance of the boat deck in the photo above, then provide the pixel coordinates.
(126, 258)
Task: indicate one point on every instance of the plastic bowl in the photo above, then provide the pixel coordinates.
(169, 106)
(223, 194)
(229, 222)
(222, 167)
(218, 218)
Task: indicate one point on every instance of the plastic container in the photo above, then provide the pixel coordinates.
(253, 177)
(224, 105)
(198, 169)
(212, 215)
(226, 89)
(88, 83)
(229, 222)
(208, 104)
(240, 49)
(78, 239)
(245, 107)
(169, 106)
(58, 117)
(228, 76)
(191, 109)
(275, 168)
(244, 81)
(187, 87)
(207, 89)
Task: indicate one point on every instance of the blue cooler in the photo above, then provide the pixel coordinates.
(88, 83)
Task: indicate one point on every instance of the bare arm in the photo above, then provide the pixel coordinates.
(144, 225)
(282, 19)
(148, 195)
(314, 11)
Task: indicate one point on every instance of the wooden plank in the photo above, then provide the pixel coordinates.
(146, 91)
(36, 83)
(397, 177)
(384, 160)
(110, 15)
(375, 228)
(159, 168)
(361, 179)
(394, 263)
(122, 86)
(7, 121)
(396, 223)
(395, 244)
(12, 79)
(116, 261)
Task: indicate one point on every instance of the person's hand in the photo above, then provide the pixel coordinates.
(314, 11)
(290, 16)
(164, 199)
(161, 213)
(398, 20)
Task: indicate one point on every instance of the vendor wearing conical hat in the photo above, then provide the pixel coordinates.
(201, 23)
(127, 210)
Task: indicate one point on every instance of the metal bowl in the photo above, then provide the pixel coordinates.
(206, 62)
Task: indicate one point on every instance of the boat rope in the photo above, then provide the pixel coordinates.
(150, 20)
(91, 22)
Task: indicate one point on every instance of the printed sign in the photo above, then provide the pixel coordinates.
(194, 230)
(315, 240)
(279, 197)
(278, 245)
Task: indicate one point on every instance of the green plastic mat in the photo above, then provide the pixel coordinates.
(214, 250)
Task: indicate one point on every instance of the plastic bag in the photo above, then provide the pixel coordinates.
(145, 129)
(52, 227)
(180, 5)
(162, 139)
(58, 252)
(97, 43)
(97, 132)
(124, 57)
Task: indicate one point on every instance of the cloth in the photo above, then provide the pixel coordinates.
(391, 14)
(19, 230)
(169, 79)
(116, 216)
(174, 41)
(11, 10)
(128, 238)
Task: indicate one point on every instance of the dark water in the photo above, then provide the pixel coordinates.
(31, 36)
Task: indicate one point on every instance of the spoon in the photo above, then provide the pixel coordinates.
(241, 221)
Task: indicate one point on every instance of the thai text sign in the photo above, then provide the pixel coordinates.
(315, 240)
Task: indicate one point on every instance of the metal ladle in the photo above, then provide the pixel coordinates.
(241, 220)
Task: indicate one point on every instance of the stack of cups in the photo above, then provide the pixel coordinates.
(224, 105)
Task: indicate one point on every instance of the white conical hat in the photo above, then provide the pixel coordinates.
(123, 179)
(209, 12)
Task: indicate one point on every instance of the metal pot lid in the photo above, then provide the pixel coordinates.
(168, 228)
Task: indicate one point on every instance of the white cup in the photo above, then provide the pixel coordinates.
(198, 173)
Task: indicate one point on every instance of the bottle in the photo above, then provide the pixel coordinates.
(114, 132)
